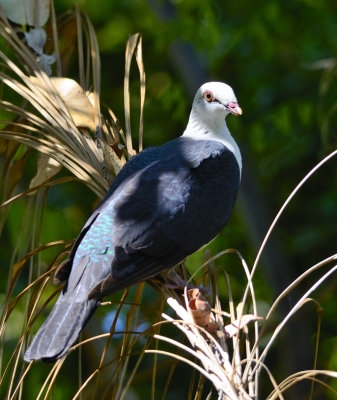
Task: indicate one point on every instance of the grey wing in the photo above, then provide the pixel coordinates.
(163, 216)
(132, 166)
(142, 208)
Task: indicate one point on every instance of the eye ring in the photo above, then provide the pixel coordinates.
(208, 96)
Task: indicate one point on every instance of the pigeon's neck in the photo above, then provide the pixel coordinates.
(212, 129)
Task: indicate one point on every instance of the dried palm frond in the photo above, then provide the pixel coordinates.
(50, 129)
(62, 121)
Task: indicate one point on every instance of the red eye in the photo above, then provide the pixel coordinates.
(208, 96)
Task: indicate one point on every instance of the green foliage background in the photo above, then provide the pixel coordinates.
(280, 58)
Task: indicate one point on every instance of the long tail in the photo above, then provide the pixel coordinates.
(61, 329)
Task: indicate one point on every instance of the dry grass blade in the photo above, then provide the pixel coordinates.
(78, 394)
(50, 380)
(96, 69)
(139, 59)
(299, 376)
(17, 352)
(22, 378)
(20, 50)
(34, 189)
(220, 373)
(130, 48)
(285, 204)
(17, 268)
(107, 343)
(294, 309)
(54, 151)
(173, 366)
(134, 46)
(184, 360)
(131, 322)
(80, 47)
(298, 280)
(133, 373)
(55, 39)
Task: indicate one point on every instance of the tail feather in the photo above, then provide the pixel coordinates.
(60, 330)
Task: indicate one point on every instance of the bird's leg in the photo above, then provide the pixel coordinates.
(172, 280)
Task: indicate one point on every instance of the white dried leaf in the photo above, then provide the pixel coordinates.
(45, 61)
(36, 39)
(233, 328)
(76, 100)
(47, 167)
(91, 97)
(27, 12)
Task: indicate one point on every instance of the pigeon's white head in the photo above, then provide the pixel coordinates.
(216, 100)
(211, 105)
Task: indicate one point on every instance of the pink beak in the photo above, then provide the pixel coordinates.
(234, 108)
